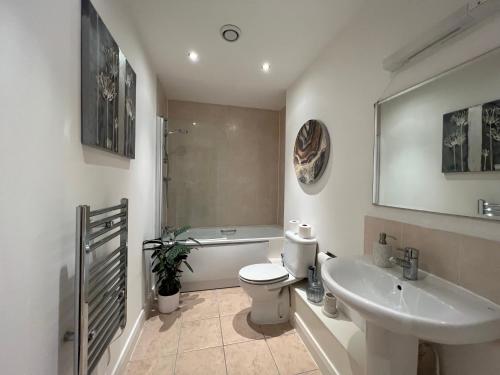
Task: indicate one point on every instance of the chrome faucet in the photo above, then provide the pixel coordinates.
(409, 263)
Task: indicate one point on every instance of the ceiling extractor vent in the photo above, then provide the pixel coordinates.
(230, 33)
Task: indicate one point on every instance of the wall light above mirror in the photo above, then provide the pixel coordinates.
(437, 145)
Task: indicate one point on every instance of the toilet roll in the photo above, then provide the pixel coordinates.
(293, 225)
(305, 231)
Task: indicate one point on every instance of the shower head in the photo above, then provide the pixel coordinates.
(178, 131)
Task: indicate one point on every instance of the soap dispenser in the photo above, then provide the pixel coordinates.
(382, 251)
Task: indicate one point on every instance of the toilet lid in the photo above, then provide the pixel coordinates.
(264, 273)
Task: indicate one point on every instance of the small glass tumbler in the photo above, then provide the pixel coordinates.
(315, 290)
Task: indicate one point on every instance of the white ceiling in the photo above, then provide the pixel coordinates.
(289, 34)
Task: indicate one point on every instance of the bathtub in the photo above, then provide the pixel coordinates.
(225, 250)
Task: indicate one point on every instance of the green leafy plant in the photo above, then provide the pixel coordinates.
(169, 253)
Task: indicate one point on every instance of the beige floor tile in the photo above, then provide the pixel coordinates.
(239, 328)
(275, 330)
(200, 334)
(200, 341)
(159, 337)
(201, 362)
(163, 322)
(164, 365)
(249, 358)
(143, 367)
(161, 365)
(291, 355)
(233, 303)
(226, 291)
(195, 307)
(211, 293)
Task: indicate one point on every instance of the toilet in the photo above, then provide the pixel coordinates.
(267, 283)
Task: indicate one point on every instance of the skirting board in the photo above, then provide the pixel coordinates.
(126, 352)
(324, 364)
(207, 285)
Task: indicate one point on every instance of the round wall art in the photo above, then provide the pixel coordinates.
(311, 151)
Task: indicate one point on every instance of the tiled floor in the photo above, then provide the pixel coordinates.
(211, 334)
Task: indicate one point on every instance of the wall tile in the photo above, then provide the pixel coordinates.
(374, 226)
(471, 262)
(439, 250)
(226, 170)
(480, 267)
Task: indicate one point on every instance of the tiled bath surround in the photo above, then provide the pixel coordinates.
(471, 262)
(228, 169)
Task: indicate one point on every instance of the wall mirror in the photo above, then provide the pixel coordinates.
(437, 144)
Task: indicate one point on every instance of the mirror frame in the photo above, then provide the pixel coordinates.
(377, 133)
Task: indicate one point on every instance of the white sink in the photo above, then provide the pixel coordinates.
(399, 312)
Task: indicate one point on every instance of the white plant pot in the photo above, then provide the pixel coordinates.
(167, 304)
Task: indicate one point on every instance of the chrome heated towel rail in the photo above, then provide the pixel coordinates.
(100, 282)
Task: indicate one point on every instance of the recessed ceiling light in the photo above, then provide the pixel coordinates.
(193, 56)
(266, 67)
(195, 123)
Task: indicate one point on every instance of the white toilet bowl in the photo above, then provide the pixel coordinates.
(267, 286)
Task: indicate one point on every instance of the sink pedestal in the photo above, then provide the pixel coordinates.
(389, 353)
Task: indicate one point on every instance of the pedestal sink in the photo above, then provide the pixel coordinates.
(399, 312)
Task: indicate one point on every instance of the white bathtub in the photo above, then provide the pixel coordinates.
(225, 251)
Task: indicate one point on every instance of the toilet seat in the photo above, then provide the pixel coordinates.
(263, 274)
(267, 284)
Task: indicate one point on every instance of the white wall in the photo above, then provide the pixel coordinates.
(340, 88)
(46, 173)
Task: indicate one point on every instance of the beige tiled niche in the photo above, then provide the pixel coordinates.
(226, 170)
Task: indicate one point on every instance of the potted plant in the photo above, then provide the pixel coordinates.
(169, 253)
